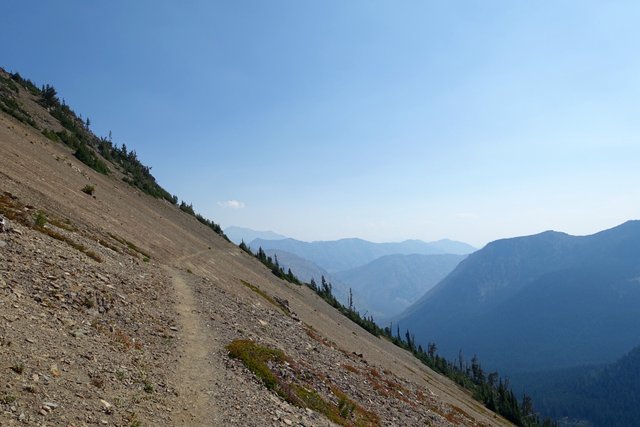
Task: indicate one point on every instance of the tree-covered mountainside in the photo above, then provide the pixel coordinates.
(603, 395)
(538, 302)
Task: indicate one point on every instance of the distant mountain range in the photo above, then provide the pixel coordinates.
(382, 288)
(388, 285)
(345, 254)
(238, 234)
(539, 302)
(385, 278)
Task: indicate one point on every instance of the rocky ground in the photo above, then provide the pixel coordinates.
(118, 309)
(81, 342)
(86, 342)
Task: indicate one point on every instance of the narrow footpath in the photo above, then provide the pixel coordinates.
(195, 375)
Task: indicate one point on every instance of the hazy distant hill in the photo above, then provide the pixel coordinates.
(546, 301)
(453, 247)
(388, 285)
(238, 234)
(344, 254)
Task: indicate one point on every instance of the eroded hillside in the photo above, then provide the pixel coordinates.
(117, 308)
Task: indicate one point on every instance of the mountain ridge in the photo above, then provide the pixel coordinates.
(552, 273)
(344, 254)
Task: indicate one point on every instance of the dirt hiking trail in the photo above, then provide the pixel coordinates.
(195, 374)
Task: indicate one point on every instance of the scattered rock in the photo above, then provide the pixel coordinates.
(55, 372)
(106, 406)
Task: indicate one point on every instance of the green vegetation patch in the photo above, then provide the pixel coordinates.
(267, 364)
(256, 358)
(7, 399)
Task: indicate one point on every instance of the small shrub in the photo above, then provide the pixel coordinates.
(51, 135)
(41, 220)
(97, 382)
(7, 399)
(121, 337)
(18, 369)
(88, 189)
(346, 407)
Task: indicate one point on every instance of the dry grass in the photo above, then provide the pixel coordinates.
(12, 209)
(78, 246)
(108, 245)
(133, 249)
(125, 341)
(264, 295)
(351, 368)
(317, 337)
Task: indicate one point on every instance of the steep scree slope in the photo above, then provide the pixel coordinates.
(116, 309)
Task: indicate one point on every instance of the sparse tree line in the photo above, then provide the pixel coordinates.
(489, 388)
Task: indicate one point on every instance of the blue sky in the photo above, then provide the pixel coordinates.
(385, 120)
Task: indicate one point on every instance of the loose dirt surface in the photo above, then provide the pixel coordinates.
(117, 310)
(194, 374)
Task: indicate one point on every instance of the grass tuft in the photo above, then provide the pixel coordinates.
(18, 369)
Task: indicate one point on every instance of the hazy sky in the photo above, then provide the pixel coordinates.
(385, 120)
